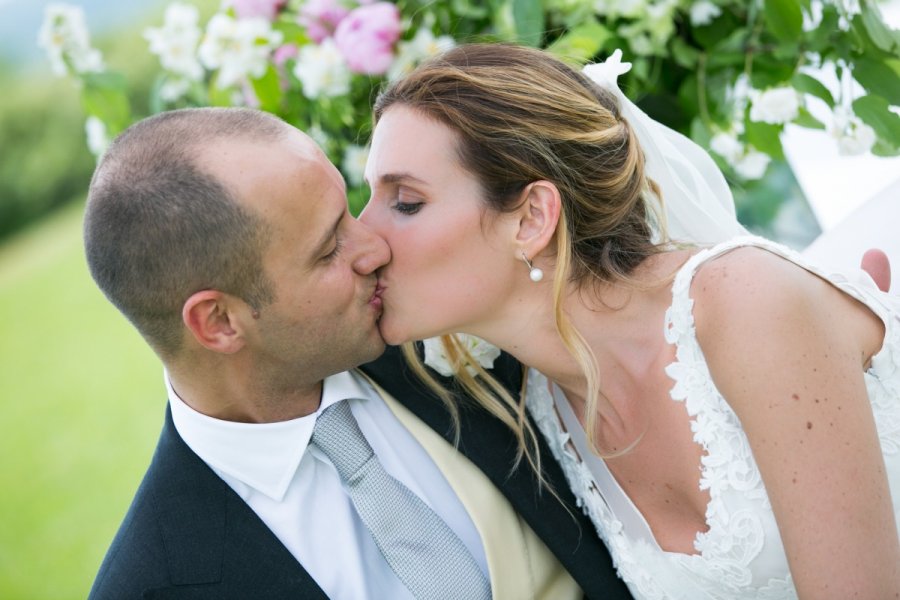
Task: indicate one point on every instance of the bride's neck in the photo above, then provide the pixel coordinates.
(621, 324)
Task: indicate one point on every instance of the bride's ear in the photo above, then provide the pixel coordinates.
(538, 216)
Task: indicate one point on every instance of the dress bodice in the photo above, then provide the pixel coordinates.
(741, 554)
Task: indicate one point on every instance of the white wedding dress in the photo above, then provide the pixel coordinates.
(741, 554)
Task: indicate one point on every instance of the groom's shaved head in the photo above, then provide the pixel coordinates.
(159, 228)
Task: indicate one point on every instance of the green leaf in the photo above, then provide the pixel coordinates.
(785, 19)
(878, 32)
(882, 148)
(820, 38)
(876, 113)
(805, 119)
(724, 30)
(810, 85)
(765, 137)
(700, 133)
(581, 43)
(717, 60)
(736, 41)
(528, 16)
(685, 56)
(466, 8)
(688, 97)
(268, 90)
(293, 32)
(878, 78)
(217, 95)
(104, 96)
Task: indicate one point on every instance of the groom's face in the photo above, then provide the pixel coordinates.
(320, 260)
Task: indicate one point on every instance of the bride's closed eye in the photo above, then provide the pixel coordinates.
(407, 204)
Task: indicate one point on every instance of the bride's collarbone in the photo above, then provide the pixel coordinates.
(661, 476)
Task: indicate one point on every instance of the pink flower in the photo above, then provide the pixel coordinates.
(320, 17)
(283, 53)
(367, 35)
(248, 9)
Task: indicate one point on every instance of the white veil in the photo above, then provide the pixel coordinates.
(698, 204)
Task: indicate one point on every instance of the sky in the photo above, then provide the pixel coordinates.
(21, 19)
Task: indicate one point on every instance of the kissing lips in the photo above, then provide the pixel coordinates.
(375, 301)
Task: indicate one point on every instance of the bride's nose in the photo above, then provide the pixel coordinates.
(373, 252)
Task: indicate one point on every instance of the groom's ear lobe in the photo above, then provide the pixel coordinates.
(212, 319)
(538, 216)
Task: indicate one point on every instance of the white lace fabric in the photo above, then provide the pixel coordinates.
(741, 554)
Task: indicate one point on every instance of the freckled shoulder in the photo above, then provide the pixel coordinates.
(747, 284)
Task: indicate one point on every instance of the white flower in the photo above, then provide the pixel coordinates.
(322, 70)
(354, 163)
(660, 20)
(620, 8)
(752, 165)
(484, 354)
(650, 24)
(853, 136)
(97, 137)
(746, 162)
(64, 36)
(238, 48)
(319, 136)
(175, 43)
(703, 12)
(812, 16)
(422, 46)
(847, 9)
(174, 89)
(775, 106)
(727, 146)
(639, 43)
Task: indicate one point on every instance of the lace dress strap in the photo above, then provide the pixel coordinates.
(857, 284)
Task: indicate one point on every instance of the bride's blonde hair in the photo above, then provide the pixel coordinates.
(520, 116)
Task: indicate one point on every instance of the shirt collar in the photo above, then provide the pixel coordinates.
(264, 456)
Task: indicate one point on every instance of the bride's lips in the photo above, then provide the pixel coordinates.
(375, 301)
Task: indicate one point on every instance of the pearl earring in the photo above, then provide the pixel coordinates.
(534, 273)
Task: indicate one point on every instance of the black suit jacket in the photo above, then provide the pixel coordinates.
(188, 535)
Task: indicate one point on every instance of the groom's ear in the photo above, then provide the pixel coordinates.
(214, 320)
(538, 217)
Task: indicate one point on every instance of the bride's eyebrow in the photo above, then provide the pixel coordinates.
(395, 178)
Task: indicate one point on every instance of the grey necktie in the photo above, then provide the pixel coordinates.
(421, 549)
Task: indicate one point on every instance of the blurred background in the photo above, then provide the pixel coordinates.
(81, 395)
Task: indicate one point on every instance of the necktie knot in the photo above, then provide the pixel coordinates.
(338, 435)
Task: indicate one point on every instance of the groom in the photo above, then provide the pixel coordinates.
(223, 236)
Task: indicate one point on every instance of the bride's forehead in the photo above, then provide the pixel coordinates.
(405, 140)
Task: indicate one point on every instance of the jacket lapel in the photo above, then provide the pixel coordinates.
(212, 538)
(490, 445)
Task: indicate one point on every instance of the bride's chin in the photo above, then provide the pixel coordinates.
(390, 334)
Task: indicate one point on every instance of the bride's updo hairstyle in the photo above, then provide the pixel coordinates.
(520, 116)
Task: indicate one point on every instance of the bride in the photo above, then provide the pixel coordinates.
(727, 414)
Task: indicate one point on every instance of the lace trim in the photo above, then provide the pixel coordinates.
(540, 405)
(734, 539)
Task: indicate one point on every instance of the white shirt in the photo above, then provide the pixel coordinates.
(297, 492)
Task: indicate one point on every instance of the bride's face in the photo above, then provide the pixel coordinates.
(451, 265)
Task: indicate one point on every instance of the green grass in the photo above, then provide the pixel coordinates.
(81, 405)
